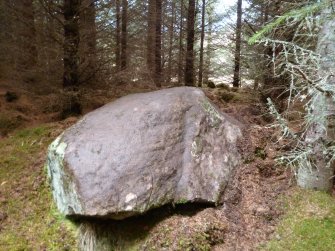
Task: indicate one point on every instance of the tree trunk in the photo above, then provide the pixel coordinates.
(88, 56)
(171, 38)
(201, 62)
(318, 173)
(6, 40)
(71, 44)
(181, 46)
(237, 61)
(208, 50)
(151, 36)
(158, 44)
(118, 36)
(71, 57)
(189, 66)
(26, 35)
(124, 34)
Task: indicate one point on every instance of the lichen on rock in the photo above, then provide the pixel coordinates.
(63, 187)
(214, 115)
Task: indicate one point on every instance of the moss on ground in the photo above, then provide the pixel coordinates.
(29, 218)
(309, 223)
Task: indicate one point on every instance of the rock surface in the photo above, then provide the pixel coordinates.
(144, 151)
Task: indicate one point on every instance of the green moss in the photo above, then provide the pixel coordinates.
(181, 201)
(223, 86)
(200, 241)
(309, 223)
(227, 96)
(260, 153)
(32, 221)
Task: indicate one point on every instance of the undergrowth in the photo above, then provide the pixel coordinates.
(308, 225)
(29, 218)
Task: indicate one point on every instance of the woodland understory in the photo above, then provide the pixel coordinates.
(269, 64)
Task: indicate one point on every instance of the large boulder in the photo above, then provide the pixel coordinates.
(144, 151)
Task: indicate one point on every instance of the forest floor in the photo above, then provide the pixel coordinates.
(263, 209)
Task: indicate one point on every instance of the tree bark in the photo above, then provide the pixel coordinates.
(237, 61)
(71, 57)
(158, 44)
(171, 38)
(71, 44)
(151, 36)
(124, 35)
(88, 54)
(319, 173)
(26, 35)
(118, 36)
(208, 50)
(189, 66)
(181, 45)
(202, 39)
(7, 52)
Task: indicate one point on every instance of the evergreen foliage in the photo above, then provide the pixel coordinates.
(311, 73)
(294, 15)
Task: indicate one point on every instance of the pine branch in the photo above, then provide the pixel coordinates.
(299, 14)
